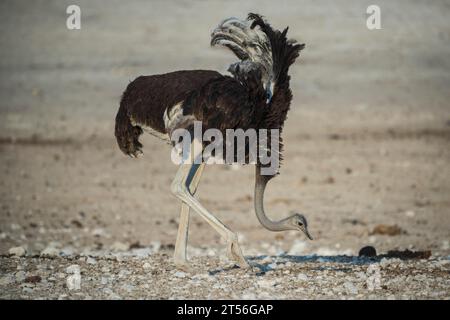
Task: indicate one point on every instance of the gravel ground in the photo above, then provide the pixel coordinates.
(367, 149)
(144, 274)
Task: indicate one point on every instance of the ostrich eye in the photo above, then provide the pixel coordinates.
(300, 223)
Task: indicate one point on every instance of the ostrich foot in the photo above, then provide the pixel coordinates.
(234, 253)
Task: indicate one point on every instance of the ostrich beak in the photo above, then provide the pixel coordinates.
(306, 232)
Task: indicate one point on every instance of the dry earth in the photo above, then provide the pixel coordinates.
(367, 149)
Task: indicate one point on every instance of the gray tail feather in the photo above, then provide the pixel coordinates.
(126, 134)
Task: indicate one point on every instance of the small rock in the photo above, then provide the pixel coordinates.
(330, 180)
(156, 246)
(386, 262)
(267, 259)
(6, 280)
(384, 229)
(147, 265)
(410, 214)
(67, 251)
(142, 252)
(73, 282)
(350, 287)
(266, 283)
(99, 232)
(27, 290)
(20, 276)
(180, 274)
(123, 273)
(128, 287)
(367, 251)
(74, 268)
(105, 269)
(17, 251)
(302, 277)
(50, 252)
(33, 279)
(119, 246)
(77, 223)
(91, 260)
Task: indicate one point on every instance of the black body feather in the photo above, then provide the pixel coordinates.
(219, 101)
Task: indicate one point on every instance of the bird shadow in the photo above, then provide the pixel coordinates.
(264, 263)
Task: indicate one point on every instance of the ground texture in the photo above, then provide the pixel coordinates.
(366, 159)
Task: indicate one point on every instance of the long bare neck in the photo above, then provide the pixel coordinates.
(266, 222)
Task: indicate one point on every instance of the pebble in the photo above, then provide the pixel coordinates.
(74, 268)
(27, 290)
(147, 265)
(20, 276)
(119, 246)
(67, 251)
(90, 260)
(156, 246)
(6, 280)
(123, 273)
(180, 274)
(350, 287)
(302, 277)
(267, 259)
(105, 269)
(98, 232)
(17, 251)
(367, 251)
(266, 283)
(410, 214)
(386, 262)
(142, 252)
(73, 282)
(272, 266)
(111, 294)
(128, 287)
(50, 252)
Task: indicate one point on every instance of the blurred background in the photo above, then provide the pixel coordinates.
(367, 139)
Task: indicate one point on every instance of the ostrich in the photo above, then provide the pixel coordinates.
(257, 96)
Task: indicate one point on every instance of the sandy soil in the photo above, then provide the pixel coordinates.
(367, 144)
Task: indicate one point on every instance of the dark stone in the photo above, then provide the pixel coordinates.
(33, 279)
(368, 251)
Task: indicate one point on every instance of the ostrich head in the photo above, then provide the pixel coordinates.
(298, 222)
(251, 74)
(243, 70)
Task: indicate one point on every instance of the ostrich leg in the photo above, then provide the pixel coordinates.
(180, 187)
(181, 243)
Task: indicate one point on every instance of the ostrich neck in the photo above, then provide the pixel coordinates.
(260, 186)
